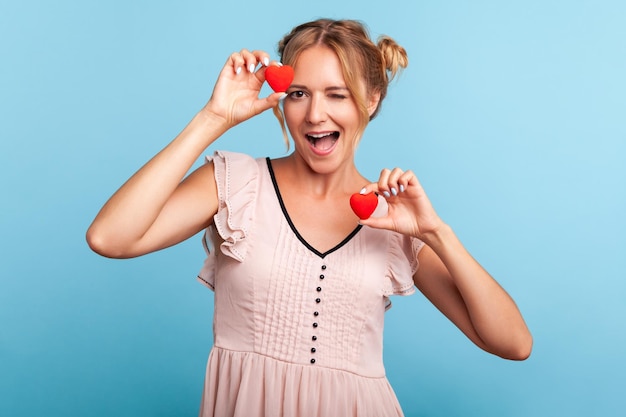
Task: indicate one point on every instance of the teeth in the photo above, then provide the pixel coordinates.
(323, 141)
(320, 135)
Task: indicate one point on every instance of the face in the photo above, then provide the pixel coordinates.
(320, 112)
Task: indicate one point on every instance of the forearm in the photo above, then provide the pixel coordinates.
(131, 211)
(494, 315)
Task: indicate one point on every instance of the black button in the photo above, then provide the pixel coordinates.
(322, 276)
(314, 324)
(312, 360)
(317, 313)
(319, 289)
(313, 350)
(314, 338)
(323, 266)
(318, 300)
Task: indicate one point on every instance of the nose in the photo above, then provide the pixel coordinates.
(316, 113)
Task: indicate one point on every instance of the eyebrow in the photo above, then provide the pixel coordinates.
(333, 88)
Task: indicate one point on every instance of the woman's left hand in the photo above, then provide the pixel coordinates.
(410, 211)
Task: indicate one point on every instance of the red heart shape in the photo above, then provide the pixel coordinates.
(279, 78)
(364, 204)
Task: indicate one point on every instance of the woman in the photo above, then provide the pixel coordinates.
(300, 285)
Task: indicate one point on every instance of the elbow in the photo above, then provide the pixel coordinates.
(103, 245)
(525, 349)
(521, 350)
(97, 243)
(517, 348)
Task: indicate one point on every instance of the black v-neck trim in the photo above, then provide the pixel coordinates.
(293, 227)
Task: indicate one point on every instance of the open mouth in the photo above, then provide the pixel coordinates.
(323, 141)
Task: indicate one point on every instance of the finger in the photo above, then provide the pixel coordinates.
(369, 188)
(237, 62)
(406, 179)
(262, 57)
(250, 60)
(254, 58)
(270, 64)
(383, 182)
(392, 181)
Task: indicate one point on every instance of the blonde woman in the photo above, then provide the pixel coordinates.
(301, 285)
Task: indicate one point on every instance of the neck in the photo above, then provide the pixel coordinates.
(342, 179)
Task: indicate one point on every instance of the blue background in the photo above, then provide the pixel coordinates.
(511, 113)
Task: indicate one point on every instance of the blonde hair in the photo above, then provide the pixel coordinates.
(361, 60)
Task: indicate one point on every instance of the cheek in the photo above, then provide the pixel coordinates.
(294, 112)
(289, 113)
(293, 117)
(347, 116)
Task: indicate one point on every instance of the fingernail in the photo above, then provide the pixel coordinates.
(394, 191)
(282, 97)
(251, 67)
(401, 188)
(386, 194)
(280, 64)
(363, 190)
(238, 70)
(266, 61)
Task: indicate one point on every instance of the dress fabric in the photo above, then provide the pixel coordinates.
(297, 332)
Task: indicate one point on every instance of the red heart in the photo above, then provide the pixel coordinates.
(364, 204)
(279, 78)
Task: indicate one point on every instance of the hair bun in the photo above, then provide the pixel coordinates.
(394, 56)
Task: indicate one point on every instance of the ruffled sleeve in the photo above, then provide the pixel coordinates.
(402, 263)
(237, 179)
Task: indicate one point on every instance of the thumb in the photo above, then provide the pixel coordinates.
(272, 100)
(383, 222)
(262, 104)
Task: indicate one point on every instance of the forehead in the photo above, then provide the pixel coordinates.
(318, 64)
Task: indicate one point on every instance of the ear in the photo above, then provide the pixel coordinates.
(372, 103)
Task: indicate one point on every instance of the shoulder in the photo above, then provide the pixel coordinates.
(234, 168)
(235, 157)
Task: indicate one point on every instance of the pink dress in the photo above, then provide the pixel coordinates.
(296, 332)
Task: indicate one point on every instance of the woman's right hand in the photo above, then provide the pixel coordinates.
(235, 96)
(155, 208)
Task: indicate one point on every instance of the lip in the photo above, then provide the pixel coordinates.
(322, 152)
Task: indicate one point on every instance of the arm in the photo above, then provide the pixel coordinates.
(465, 293)
(156, 208)
(448, 275)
